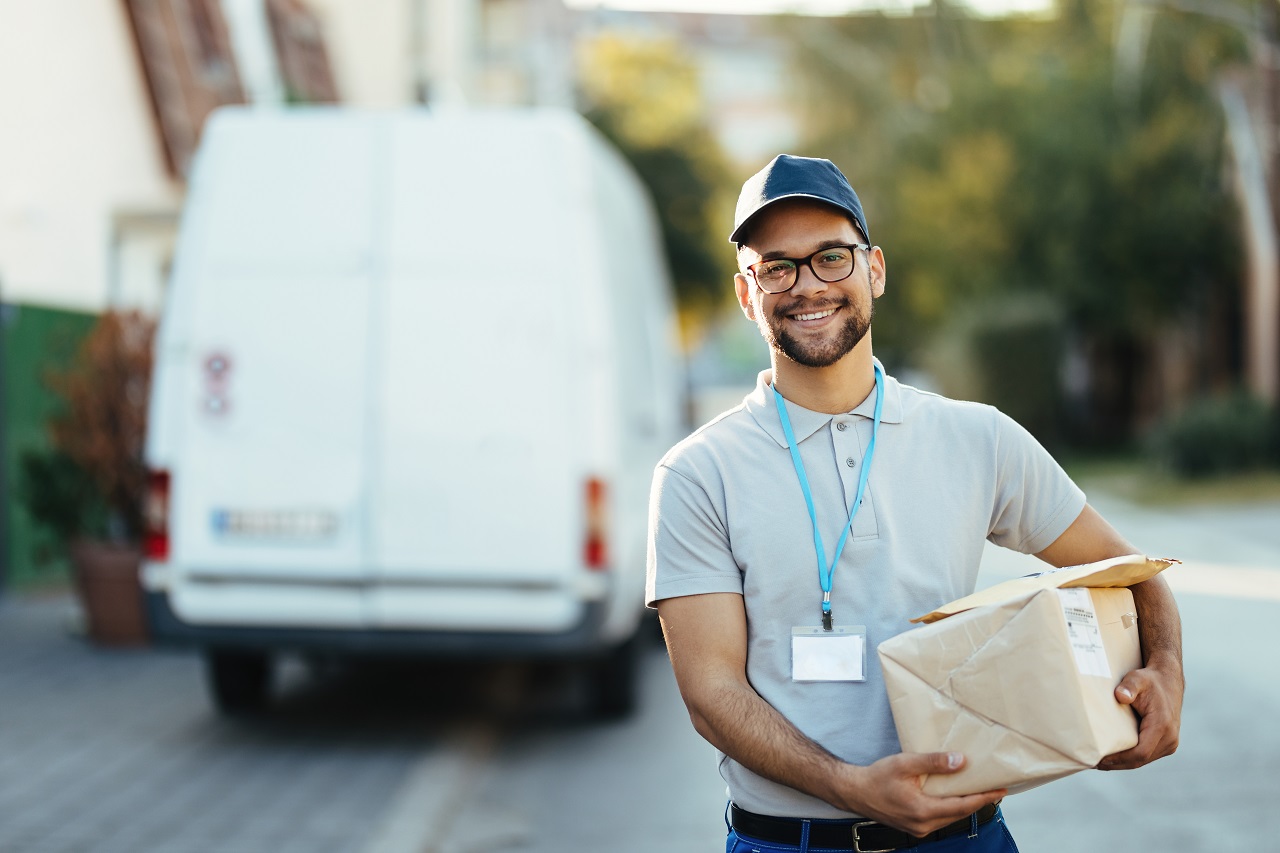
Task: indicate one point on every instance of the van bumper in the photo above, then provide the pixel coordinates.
(584, 640)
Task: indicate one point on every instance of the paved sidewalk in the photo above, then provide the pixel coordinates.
(105, 751)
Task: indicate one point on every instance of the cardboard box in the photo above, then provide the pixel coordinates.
(1020, 677)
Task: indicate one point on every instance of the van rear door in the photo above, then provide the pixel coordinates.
(484, 438)
(269, 483)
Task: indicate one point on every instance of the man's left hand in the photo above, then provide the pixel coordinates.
(1155, 694)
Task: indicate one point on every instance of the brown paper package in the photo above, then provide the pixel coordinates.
(1002, 677)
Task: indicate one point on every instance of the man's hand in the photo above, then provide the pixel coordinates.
(890, 791)
(1155, 691)
(1155, 694)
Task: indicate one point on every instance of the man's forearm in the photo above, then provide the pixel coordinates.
(750, 730)
(734, 719)
(1091, 538)
(706, 638)
(1159, 625)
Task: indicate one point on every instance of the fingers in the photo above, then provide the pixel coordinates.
(901, 803)
(938, 762)
(1157, 709)
(1127, 760)
(908, 764)
(933, 813)
(1130, 759)
(1131, 687)
(1157, 738)
(1145, 691)
(969, 803)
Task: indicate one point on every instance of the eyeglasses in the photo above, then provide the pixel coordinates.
(832, 264)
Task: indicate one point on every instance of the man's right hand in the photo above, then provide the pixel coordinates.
(891, 792)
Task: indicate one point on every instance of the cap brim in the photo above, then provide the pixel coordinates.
(737, 232)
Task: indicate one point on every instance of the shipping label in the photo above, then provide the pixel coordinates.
(1084, 633)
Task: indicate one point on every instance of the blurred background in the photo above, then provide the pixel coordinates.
(1077, 204)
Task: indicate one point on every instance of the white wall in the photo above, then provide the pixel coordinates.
(78, 147)
(371, 47)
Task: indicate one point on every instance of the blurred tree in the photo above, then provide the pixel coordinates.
(998, 157)
(870, 89)
(644, 95)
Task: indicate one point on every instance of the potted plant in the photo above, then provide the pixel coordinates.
(89, 488)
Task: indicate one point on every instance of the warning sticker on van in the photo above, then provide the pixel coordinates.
(269, 524)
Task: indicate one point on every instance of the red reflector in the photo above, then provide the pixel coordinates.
(595, 551)
(155, 536)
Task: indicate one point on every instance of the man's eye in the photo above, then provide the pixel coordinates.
(832, 258)
(774, 270)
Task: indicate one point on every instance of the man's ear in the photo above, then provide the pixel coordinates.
(875, 271)
(742, 286)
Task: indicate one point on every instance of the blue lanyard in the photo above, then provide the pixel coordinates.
(825, 572)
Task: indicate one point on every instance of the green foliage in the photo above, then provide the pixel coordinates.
(60, 495)
(1007, 352)
(643, 94)
(92, 482)
(37, 340)
(1006, 156)
(1219, 435)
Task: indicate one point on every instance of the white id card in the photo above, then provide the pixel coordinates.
(836, 655)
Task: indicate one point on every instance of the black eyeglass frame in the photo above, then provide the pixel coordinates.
(808, 262)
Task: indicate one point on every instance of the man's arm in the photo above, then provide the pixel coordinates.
(1155, 691)
(707, 640)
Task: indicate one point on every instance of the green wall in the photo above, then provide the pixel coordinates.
(35, 340)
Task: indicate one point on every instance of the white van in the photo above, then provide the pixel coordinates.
(412, 376)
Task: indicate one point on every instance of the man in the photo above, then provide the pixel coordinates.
(834, 503)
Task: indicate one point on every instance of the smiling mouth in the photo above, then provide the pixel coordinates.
(817, 315)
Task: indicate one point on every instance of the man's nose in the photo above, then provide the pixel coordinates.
(807, 283)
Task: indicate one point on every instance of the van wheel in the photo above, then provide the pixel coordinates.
(240, 681)
(615, 682)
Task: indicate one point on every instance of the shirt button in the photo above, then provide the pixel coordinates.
(850, 462)
(841, 426)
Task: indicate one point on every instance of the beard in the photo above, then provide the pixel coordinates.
(822, 353)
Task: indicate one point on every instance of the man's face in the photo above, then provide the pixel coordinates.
(815, 323)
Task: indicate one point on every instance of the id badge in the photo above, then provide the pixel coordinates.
(836, 655)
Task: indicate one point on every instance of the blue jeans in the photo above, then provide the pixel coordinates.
(993, 837)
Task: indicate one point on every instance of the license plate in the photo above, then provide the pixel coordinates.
(275, 524)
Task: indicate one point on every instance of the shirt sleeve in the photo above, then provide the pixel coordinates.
(1035, 501)
(688, 547)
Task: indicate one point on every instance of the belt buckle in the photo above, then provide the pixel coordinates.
(857, 842)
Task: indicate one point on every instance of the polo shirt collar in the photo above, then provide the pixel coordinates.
(805, 422)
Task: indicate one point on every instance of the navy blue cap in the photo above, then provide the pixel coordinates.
(788, 176)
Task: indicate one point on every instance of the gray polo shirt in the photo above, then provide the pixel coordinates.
(727, 515)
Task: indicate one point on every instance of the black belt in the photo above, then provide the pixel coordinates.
(863, 836)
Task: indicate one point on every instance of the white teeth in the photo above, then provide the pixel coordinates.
(817, 316)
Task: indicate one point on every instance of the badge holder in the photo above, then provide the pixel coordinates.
(837, 654)
(829, 652)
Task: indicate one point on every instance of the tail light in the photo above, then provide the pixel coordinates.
(155, 536)
(595, 550)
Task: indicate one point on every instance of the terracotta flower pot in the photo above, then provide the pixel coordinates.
(106, 577)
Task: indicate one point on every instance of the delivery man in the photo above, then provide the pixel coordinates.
(837, 502)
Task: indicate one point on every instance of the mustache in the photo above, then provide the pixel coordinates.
(808, 306)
